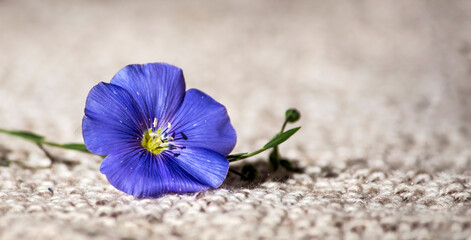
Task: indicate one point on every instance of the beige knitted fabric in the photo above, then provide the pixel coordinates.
(384, 91)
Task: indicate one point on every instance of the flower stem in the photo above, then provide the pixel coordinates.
(283, 127)
(38, 139)
(274, 142)
(275, 154)
(247, 155)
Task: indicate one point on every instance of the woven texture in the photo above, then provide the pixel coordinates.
(383, 88)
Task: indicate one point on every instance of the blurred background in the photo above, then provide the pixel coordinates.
(379, 84)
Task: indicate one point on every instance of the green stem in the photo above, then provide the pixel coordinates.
(283, 127)
(248, 155)
(52, 144)
(277, 140)
(40, 140)
(275, 149)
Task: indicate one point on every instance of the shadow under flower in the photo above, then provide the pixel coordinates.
(265, 173)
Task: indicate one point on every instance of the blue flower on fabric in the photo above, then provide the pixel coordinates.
(158, 138)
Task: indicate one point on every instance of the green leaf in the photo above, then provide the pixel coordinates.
(235, 156)
(33, 137)
(280, 138)
(40, 140)
(75, 146)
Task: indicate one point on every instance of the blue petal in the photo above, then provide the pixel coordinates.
(143, 174)
(158, 88)
(207, 166)
(205, 124)
(112, 119)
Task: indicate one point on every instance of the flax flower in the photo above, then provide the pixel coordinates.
(157, 138)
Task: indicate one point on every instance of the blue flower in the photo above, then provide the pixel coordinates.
(158, 138)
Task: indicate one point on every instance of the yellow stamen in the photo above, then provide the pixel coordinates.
(155, 141)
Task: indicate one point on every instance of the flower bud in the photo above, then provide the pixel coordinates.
(292, 115)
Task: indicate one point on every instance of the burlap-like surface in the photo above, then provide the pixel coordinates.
(384, 90)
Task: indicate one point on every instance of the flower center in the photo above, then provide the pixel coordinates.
(157, 140)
